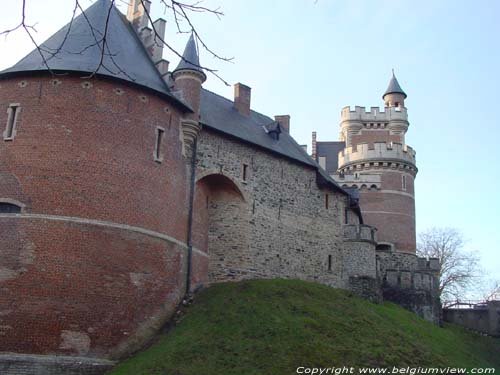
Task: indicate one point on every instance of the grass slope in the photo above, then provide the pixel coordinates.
(274, 326)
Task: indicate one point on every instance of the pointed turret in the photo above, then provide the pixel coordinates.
(190, 60)
(124, 57)
(189, 76)
(394, 96)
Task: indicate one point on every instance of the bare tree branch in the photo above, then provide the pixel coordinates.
(459, 268)
(180, 12)
(160, 38)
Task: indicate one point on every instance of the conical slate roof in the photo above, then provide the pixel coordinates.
(190, 59)
(77, 47)
(394, 87)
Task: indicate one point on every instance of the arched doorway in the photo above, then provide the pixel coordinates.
(220, 231)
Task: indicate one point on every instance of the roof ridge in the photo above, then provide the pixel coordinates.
(232, 101)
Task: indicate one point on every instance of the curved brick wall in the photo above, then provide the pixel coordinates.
(96, 260)
(392, 210)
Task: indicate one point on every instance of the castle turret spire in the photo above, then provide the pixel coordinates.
(188, 78)
(190, 59)
(394, 96)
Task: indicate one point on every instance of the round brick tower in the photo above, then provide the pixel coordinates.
(378, 162)
(93, 195)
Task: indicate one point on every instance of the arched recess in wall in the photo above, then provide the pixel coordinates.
(220, 230)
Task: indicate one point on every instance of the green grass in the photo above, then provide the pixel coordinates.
(274, 326)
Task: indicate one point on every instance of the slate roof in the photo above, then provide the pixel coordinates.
(190, 59)
(219, 114)
(77, 48)
(394, 87)
(330, 150)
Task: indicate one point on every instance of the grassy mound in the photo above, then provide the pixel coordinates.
(274, 326)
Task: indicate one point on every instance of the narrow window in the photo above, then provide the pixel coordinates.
(244, 172)
(403, 181)
(9, 208)
(322, 162)
(159, 138)
(329, 262)
(326, 201)
(346, 216)
(10, 129)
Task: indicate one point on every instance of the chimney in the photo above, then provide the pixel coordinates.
(284, 121)
(242, 95)
(314, 146)
(137, 13)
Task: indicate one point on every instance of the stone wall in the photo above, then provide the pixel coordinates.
(411, 282)
(284, 227)
(15, 364)
(359, 251)
(483, 318)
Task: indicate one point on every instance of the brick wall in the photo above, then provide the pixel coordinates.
(96, 261)
(392, 210)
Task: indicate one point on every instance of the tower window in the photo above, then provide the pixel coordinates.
(9, 208)
(244, 172)
(329, 262)
(403, 182)
(158, 156)
(346, 216)
(326, 201)
(10, 129)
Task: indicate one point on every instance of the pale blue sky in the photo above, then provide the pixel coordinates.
(309, 59)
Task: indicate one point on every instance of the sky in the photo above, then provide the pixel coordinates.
(310, 58)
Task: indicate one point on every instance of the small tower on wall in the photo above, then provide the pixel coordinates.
(188, 78)
(373, 158)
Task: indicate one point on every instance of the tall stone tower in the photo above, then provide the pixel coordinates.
(373, 158)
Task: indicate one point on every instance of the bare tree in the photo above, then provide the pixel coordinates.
(459, 268)
(493, 292)
(179, 12)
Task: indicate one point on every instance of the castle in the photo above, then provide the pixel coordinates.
(124, 185)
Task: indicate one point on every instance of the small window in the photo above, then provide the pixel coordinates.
(322, 162)
(346, 216)
(403, 182)
(329, 262)
(9, 208)
(10, 128)
(244, 172)
(326, 201)
(158, 156)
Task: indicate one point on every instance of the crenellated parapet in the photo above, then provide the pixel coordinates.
(360, 232)
(375, 115)
(354, 122)
(378, 155)
(410, 281)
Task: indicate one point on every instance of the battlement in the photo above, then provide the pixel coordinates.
(429, 265)
(377, 152)
(361, 232)
(410, 280)
(360, 114)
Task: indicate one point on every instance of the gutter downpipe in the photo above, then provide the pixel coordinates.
(190, 217)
